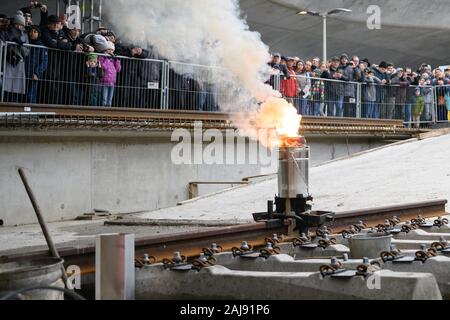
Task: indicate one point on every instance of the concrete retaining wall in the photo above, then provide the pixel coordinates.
(73, 172)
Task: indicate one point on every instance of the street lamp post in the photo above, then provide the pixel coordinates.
(324, 18)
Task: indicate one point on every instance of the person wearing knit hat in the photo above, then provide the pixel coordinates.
(14, 83)
(100, 43)
(92, 77)
(383, 64)
(110, 47)
(19, 20)
(111, 67)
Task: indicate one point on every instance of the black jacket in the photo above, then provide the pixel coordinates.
(334, 89)
(55, 39)
(73, 42)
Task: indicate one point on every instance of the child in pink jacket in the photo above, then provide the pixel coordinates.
(111, 67)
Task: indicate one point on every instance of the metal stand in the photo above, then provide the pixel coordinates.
(114, 267)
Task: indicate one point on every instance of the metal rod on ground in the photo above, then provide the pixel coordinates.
(37, 210)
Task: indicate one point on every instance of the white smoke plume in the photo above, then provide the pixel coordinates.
(206, 32)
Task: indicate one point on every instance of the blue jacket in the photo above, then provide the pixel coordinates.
(38, 61)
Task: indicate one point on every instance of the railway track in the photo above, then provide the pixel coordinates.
(191, 243)
(62, 116)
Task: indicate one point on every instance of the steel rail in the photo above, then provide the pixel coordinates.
(191, 243)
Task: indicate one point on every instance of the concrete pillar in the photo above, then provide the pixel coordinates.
(114, 267)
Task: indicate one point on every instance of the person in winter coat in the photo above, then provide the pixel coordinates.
(410, 92)
(289, 87)
(391, 89)
(372, 108)
(4, 26)
(304, 86)
(111, 67)
(382, 91)
(418, 107)
(57, 76)
(137, 74)
(92, 75)
(52, 34)
(318, 93)
(37, 64)
(73, 71)
(335, 89)
(278, 68)
(349, 74)
(15, 73)
(401, 109)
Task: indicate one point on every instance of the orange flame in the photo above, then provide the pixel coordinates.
(278, 114)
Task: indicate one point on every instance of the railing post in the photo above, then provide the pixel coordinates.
(3, 50)
(165, 92)
(358, 100)
(434, 115)
(277, 82)
(162, 85)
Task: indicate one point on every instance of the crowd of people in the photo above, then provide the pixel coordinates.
(85, 70)
(330, 88)
(56, 64)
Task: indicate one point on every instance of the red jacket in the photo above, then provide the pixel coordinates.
(289, 88)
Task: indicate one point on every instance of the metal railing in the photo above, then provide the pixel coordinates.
(322, 97)
(2, 49)
(333, 98)
(442, 105)
(398, 102)
(35, 74)
(193, 87)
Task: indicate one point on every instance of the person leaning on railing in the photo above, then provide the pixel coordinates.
(318, 93)
(278, 68)
(418, 104)
(349, 75)
(36, 64)
(133, 81)
(304, 86)
(111, 66)
(53, 38)
(92, 75)
(401, 81)
(74, 75)
(371, 107)
(335, 89)
(289, 87)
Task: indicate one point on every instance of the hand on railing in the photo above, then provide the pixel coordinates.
(79, 48)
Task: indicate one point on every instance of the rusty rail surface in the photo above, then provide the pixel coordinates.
(63, 116)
